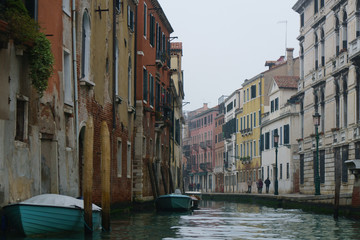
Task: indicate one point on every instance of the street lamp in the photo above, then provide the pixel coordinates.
(276, 141)
(316, 120)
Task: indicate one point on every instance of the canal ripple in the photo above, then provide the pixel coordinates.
(224, 220)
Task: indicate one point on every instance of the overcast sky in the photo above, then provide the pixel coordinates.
(226, 42)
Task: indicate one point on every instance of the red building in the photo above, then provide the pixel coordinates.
(153, 103)
(201, 124)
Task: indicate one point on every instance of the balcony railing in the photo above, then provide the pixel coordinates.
(246, 131)
(203, 145)
(354, 48)
(340, 61)
(209, 143)
(205, 166)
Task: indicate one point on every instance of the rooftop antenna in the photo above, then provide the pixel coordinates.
(285, 21)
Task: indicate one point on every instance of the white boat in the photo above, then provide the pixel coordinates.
(48, 213)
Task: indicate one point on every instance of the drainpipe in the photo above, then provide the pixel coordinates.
(114, 64)
(76, 100)
(135, 57)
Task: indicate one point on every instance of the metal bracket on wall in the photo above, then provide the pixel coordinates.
(101, 10)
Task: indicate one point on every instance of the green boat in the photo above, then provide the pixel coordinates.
(49, 213)
(173, 202)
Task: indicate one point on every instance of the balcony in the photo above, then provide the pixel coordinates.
(209, 143)
(196, 147)
(203, 145)
(354, 48)
(246, 131)
(340, 61)
(205, 166)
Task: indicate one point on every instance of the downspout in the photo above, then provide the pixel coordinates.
(76, 99)
(135, 57)
(114, 64)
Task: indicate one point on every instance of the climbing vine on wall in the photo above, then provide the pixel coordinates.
(26, 33)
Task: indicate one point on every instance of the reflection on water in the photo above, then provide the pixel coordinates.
(224, 220)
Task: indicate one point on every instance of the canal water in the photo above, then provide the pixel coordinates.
(225, 220)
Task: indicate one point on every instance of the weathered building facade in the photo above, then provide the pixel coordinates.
(153, 122)
(283, 114)
(329, 86)
(177, 93)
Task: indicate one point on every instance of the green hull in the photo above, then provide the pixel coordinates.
(37, 219)
(173, 202)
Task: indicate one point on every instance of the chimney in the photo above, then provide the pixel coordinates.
(290, 61)
(205, 106)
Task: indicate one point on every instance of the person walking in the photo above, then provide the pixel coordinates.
(267, 184)
(260, 185)
(249, 185)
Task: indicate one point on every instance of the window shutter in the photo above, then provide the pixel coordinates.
(286, 134)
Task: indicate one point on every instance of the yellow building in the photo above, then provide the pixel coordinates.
(249, 132)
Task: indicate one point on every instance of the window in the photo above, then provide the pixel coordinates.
(151, 90)
(259, 88)
(118, 6)
(66, 7)
(261, 142)
(301, 61)
(254, 119)
(276, 104)
(302, 20)
(129, 81)
(259, 117)
(152, 29)
(345, 102)
(145, 85)
(254, 148)
(253, 91)
(272, 106)
(344, 28)
(337, 35)
(281, 170)
(67, 79)
(128, 160)
(145, 20)
(130, 18)
(247, 94)
(251, 121)
(31, 7)
(85, 56)
(287, 171)
(281, 135)
(316, 52)
(116, 68)
(337, 103)
(267, 140)
(322, 48)
(286, 134)
(316, 6)
(119, 158)
(177, 131)
(302, 172)
(322, 3)
(21, 132)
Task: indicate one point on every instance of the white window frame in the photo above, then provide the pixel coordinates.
(67, 77)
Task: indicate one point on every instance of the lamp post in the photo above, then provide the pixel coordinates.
(276, 141)
(316, 120)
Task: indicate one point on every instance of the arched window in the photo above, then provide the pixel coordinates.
(345, 101)
(344, 33)
(337, 33)
(322, 46)
(316, 52)
(301, 61)
(85, 56)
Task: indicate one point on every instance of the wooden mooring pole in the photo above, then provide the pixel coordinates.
(105, 176)
(88, 175)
